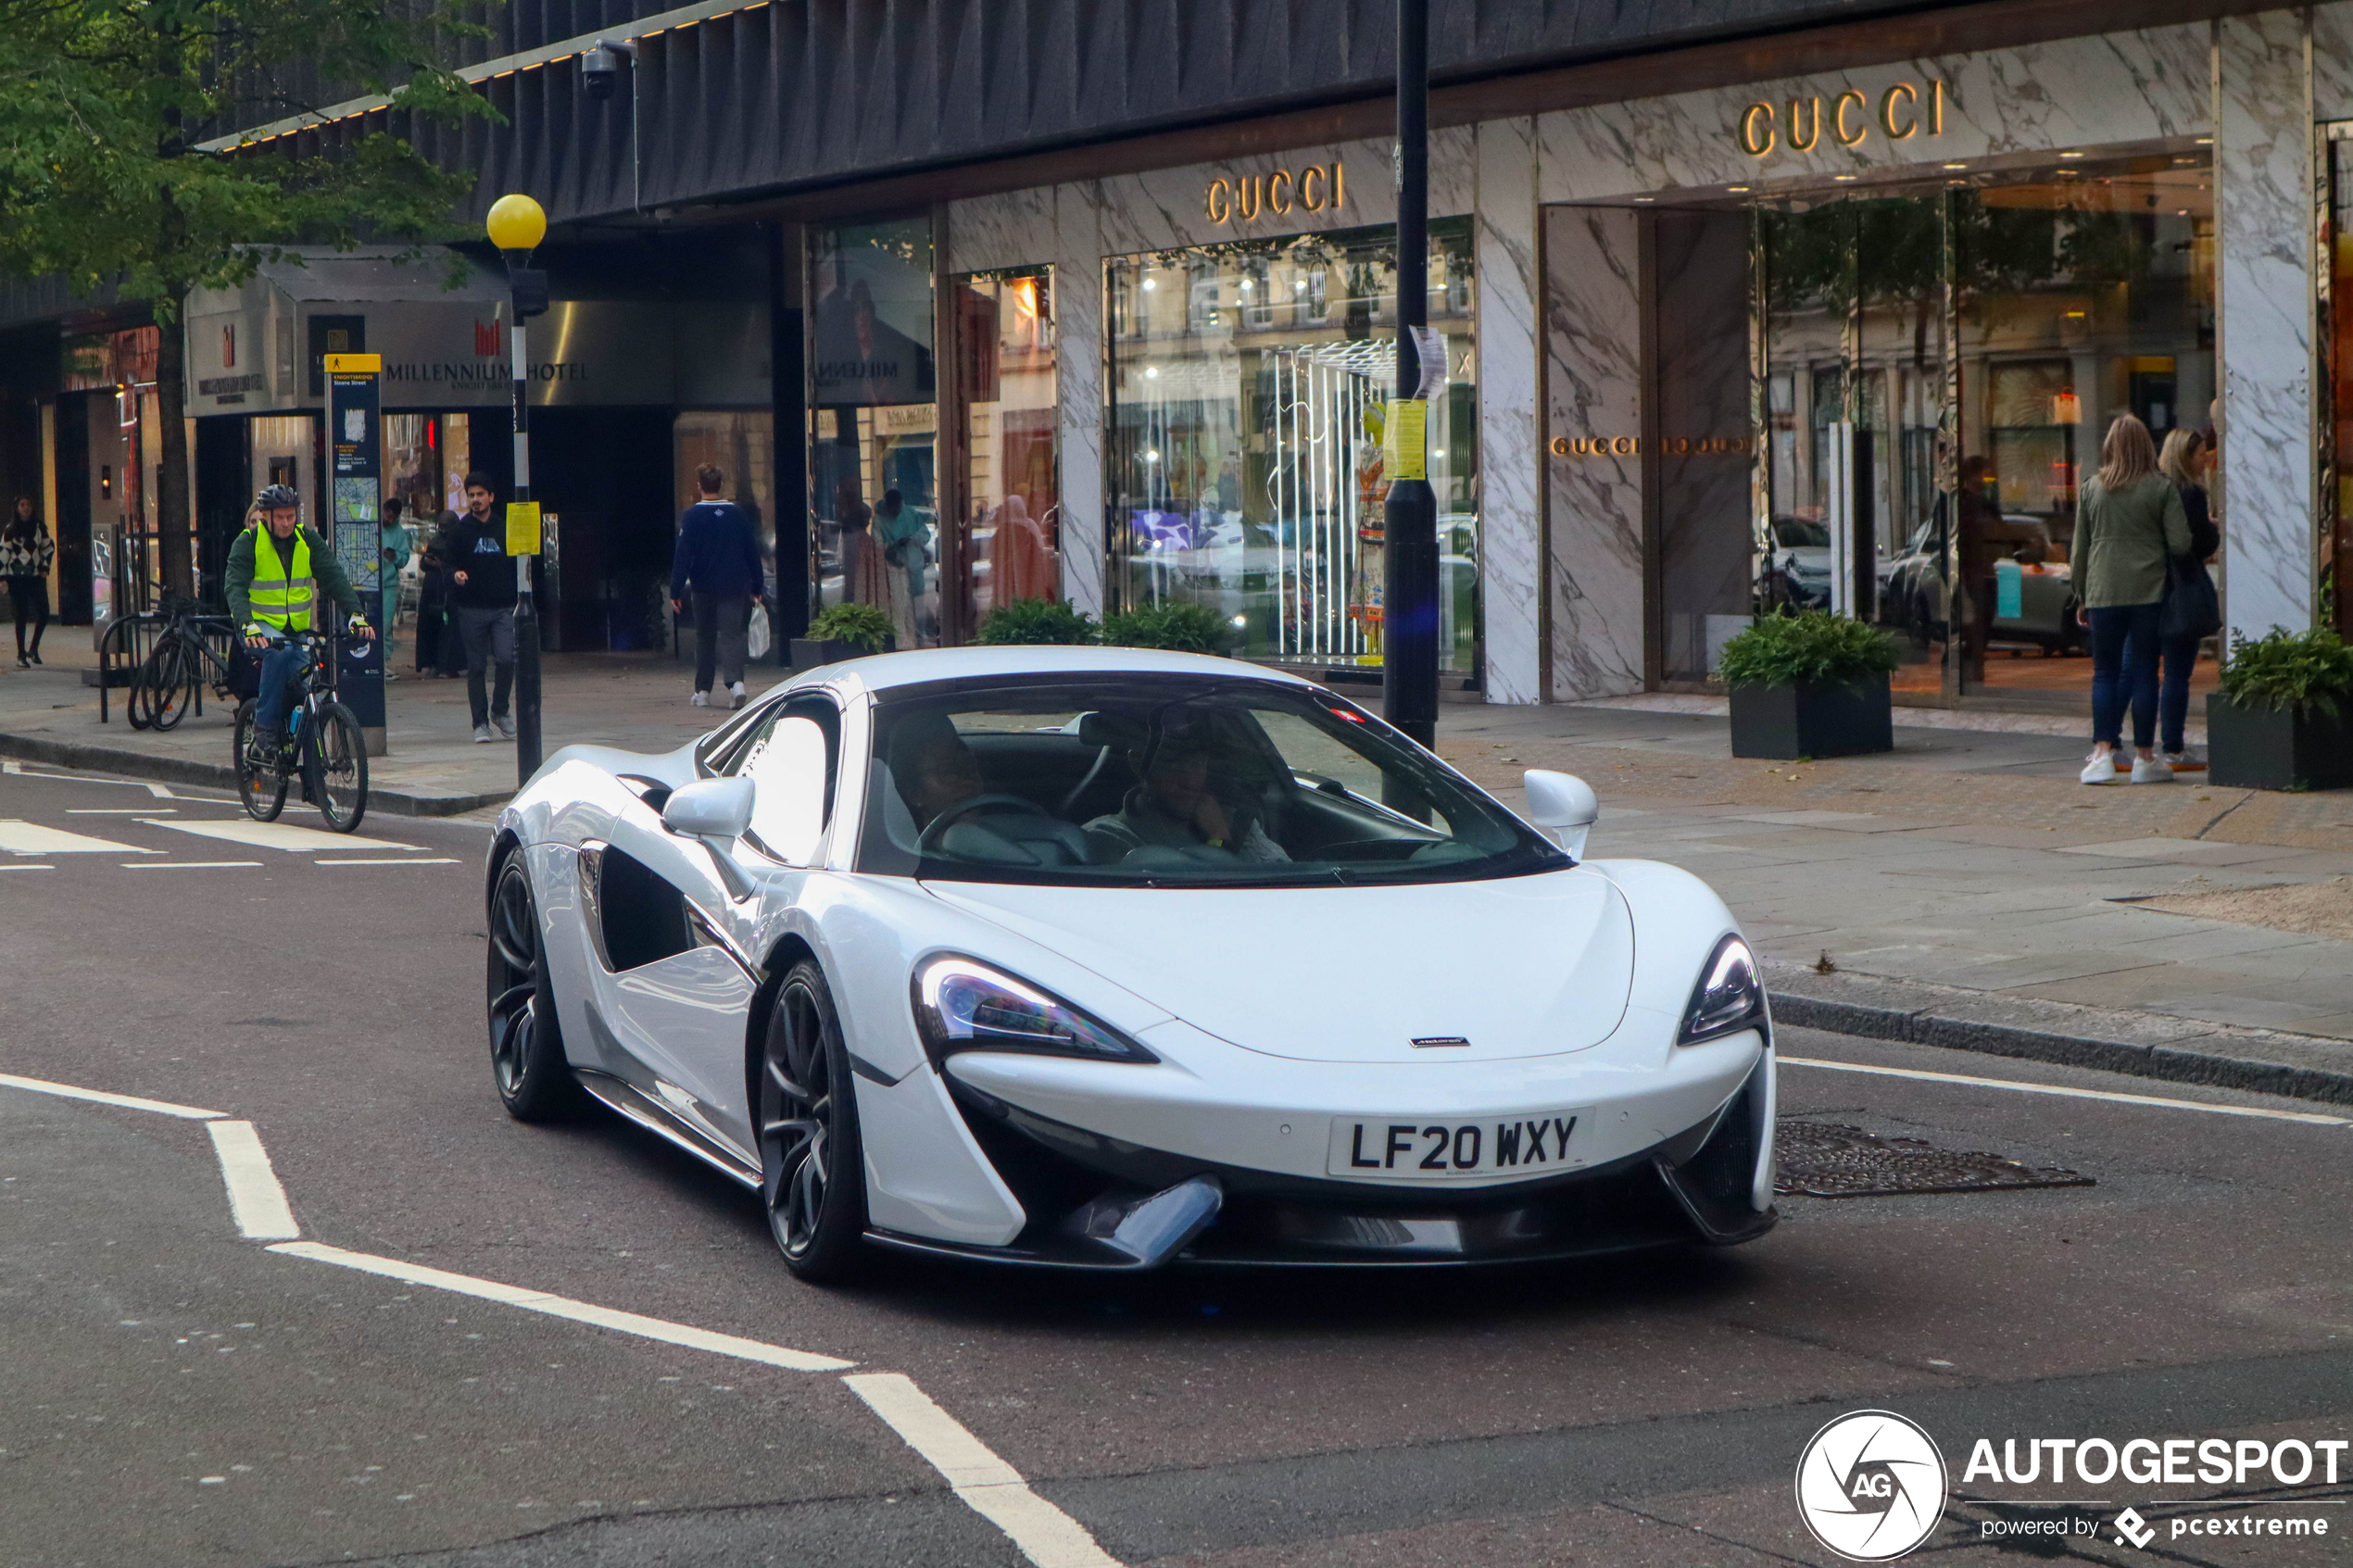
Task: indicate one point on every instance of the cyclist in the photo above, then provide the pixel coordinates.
(276, 569)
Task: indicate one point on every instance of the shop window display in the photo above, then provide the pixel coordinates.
(874, 423)
(1248, 387)
(1007, 545)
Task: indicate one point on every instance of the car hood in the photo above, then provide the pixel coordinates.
(1517, 967)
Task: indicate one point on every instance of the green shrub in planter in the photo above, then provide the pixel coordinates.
(1036, 621)
(1810, 685)
(863, 626)
(1176, 626)
(840, 632)
(2283, 719)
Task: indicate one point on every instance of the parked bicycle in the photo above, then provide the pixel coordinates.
(169, 681)
(322, 745)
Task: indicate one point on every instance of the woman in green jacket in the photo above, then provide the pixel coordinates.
(2129, 523)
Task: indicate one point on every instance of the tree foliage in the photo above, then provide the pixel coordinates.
(111, 173)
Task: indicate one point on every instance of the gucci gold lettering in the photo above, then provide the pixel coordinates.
(1316, 188)
(1804, 140)
(1631, 446)
(1904, 110)
(1910, 97)
(1845, 137)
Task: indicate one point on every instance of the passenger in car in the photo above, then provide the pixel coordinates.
(1175, 807)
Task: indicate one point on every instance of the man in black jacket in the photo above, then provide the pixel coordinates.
(482, 593)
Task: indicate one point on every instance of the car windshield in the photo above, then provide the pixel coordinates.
(1170, 781)
(1801, 533)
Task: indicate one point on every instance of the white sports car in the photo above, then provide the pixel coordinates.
(1104, 959)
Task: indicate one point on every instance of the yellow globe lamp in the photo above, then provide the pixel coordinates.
(517, 223)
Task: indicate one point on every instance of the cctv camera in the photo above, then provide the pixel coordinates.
(600, 67)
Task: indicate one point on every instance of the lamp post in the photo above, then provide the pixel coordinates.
(1409, 523)
(516, 225)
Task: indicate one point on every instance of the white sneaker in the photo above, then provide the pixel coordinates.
(737, 693)
(700, 699)
(504, 725)
(2100, 769)
(482, 734)
(2151, 770)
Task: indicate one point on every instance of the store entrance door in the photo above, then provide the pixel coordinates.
(1855, 390)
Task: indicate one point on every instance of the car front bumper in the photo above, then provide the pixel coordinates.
(1685, 1158)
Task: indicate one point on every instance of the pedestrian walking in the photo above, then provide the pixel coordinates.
(482, 592)
(902, 538)
(717, 559)
(2129, 525)
(393, 536)
(26, 554)
(2192, 611)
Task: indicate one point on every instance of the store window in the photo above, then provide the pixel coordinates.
(1249, 383)
(2337, 556)
(874, 423)
(1008, 546)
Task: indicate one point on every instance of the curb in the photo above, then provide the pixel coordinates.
(2175, 1064)
(218, 776)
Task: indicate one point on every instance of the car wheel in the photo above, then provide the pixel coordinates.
(813, 1172)
(526, 1046)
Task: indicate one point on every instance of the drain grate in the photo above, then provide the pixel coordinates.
(1828, 1161)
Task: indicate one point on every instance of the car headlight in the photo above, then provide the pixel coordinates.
(1728, 997)
(963, 1005)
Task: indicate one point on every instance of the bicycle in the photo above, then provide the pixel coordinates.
(169, 681)
(322, 742)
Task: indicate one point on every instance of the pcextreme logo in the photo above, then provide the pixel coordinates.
(1871, 1486)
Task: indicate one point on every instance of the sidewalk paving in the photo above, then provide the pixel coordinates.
(1964, 887)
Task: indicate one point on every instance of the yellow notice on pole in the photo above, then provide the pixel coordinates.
(522, 528)
(1405, 453)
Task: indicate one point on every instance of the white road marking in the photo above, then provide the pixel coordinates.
(161, 792)
(116, 811)
(563, 1307)
(30, 838)
(255, 1200)
(992, 1488)
(277, 835)
(437, 860)
(129, 1102)
(28, 868)
(183, 865)
(2313, 1118)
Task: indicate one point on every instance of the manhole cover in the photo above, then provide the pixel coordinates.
(1827, 1160)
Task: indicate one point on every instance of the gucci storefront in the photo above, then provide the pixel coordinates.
(1847, 341)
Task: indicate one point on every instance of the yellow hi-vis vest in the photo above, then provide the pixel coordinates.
(280, 598)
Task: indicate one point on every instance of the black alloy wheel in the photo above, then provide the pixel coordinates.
(261, 791)
(334, 762)
(526, 1046)
(811, 1170)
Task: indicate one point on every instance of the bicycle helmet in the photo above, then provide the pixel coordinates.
(276, 497)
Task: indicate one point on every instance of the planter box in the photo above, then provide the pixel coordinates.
(1811, 720)
(2276, 749)
(810, 652)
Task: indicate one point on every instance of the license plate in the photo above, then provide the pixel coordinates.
(1435, 1148)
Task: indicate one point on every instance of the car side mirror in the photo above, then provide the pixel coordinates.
(1564, 803)
(717, 809)
(715, 812)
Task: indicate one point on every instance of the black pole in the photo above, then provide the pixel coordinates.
(1409, 634)
(526, 605)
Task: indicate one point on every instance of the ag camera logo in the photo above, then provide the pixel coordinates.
(1871, 1485)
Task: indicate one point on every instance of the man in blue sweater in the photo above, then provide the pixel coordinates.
(718, 556)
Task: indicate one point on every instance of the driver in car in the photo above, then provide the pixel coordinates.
(935, 769)
(1175, 807)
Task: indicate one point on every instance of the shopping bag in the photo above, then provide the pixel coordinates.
(756, 636)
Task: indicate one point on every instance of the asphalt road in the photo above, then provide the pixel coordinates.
(175, 1394)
